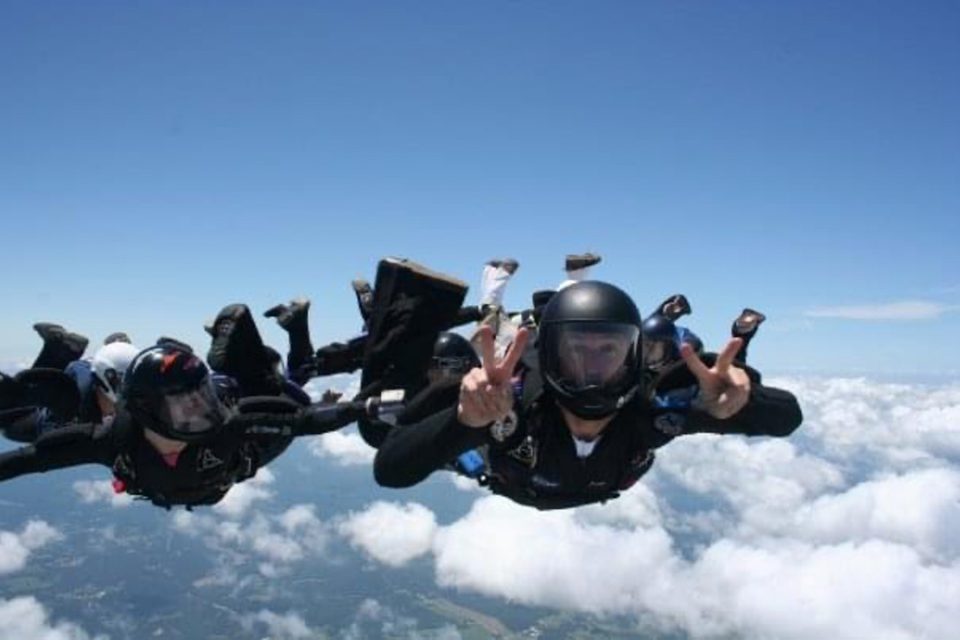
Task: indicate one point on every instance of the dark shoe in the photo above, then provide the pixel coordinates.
(747, 323)
(49, 331)
(238, 351)
(71, 343)
(226, 320)
(674, 307)
(19, 424)
(117, 336)
(510, 265)
(577, 261)
(287, 315)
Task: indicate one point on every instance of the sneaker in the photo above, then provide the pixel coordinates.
(286, 315)
(674, 307)
(117, 336)
(747, 323)
(576, 261)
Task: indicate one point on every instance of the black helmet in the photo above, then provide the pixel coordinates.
(661, 342)
(589, 348)
(169, 390)
(453, 356)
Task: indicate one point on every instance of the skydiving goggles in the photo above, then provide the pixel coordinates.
(193, 413)
(594, 354)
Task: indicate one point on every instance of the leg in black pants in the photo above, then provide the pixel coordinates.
(411, 306)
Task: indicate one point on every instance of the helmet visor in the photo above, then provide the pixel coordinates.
(659, 353)
(110, 381)
(194, 412)
(593, 355)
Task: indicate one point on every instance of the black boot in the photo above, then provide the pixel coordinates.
(292, 318)
(745, 327)
(60, 347)
(238, 351)
(674, 307)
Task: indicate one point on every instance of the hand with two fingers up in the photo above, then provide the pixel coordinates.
(724, 388)
(486, 393)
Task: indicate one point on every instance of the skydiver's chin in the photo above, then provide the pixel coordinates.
(583, 429)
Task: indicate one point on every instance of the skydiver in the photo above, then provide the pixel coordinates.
(579, 426)
(61, 387)
(184, 436)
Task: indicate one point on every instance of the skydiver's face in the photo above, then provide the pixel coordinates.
(593, 358)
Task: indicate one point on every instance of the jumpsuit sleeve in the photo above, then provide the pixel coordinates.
(68, 446)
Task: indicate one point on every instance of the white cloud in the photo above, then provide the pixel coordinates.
(375, 620)
(859, 423)
(24, 617)
(347, 384)
(288, 626)
(278, 541)
(391, 533)
(93, 491)
(904, 310)
(15, 548)
(919, 509)
(347, 449)
(554, 558)
(464, 483)
(846, 530)
(241, 496)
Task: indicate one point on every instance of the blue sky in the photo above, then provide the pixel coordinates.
(160, 160)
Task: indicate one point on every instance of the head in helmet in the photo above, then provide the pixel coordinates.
(110, 364)
(589, 348)
(169, 391)
(661, 342)
(453, 356)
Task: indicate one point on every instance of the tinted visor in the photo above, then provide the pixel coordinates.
(593, 355)
(193, 413)
(659, 353)
(110, 381)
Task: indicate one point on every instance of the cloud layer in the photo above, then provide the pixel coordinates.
(15, 548)
(847, 530)
(22, 618)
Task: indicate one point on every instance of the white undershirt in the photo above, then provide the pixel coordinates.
(584, 447)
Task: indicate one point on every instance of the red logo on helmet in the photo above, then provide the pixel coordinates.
(168, 361)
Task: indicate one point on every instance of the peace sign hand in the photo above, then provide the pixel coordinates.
(724, 389)
(486, 393)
